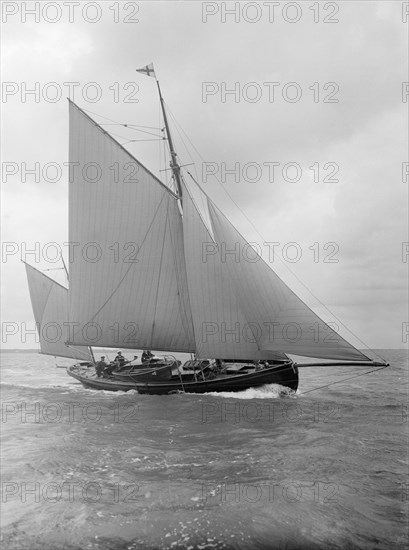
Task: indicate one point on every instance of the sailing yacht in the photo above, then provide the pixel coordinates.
(171, 290)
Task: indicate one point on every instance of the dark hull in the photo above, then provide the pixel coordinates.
(151, 374)
(285, 374)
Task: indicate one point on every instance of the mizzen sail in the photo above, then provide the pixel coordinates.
(50, 306)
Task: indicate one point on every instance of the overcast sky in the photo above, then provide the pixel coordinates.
(342, 114)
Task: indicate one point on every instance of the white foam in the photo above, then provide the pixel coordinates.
(268, 391)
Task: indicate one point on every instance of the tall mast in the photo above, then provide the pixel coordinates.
(174, 162)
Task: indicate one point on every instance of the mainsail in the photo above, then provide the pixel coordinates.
(141, 275)
(50, 306)
(127, 277)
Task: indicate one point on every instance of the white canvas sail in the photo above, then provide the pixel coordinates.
(278, 319)
(127, 271)
(214, 304)
(50, 306)
(241, 308)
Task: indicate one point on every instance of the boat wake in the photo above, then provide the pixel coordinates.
(268, 391)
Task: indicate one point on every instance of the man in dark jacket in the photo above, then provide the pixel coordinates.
(120, 361)
(100, 366)
(146, 356)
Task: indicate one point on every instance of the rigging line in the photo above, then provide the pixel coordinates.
(209, 230)
(177, 126)
(160, 269)
(116, 122)
(159, 138)
(282, 263)
(65, 268)
(179, 133)
(102, 116)
(159, 146)
(129, 126)
(171, 183)
(134, 126)
(166, 156)
(135, 140)
(131, 264)
(344, 380)
(151, 134)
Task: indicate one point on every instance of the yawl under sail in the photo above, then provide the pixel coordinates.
(166, 291)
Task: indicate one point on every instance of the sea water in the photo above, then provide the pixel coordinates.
(260, 469)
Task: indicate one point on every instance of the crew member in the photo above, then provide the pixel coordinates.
(110, 369)
(146, 356)
(100, 366)
(120, 360)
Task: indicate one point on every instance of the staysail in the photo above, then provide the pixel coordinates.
(50, 306)
(241, 308)
(128, 284)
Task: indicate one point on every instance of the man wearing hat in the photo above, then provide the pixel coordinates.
(120, 361)
(100, 366)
